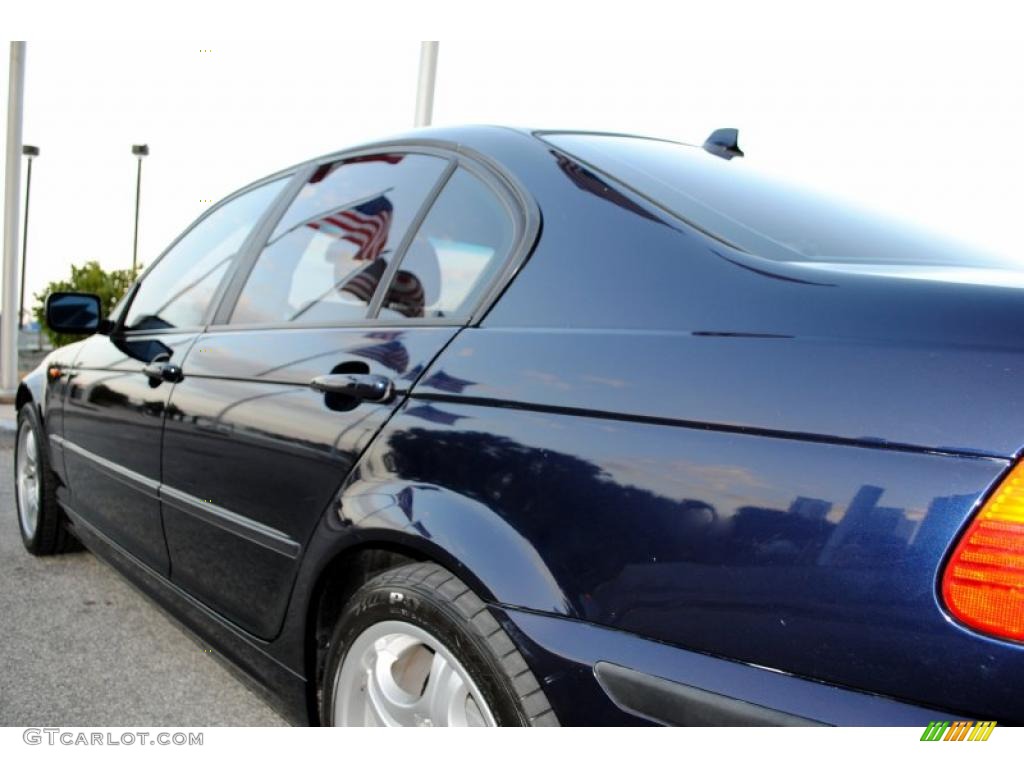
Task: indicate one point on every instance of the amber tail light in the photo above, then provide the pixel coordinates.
(983, 584)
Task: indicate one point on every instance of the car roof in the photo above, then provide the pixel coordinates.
(479, 137)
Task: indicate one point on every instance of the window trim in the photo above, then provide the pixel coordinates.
(526, 226)
(525, 212)
(120, 331)
(526, 223)
(253, 246)
(510, 208)
(373, 308)
(222, 318)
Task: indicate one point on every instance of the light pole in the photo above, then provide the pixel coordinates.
(140, 151)
(28, 151)
(12, 199)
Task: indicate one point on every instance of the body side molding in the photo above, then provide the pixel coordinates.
(208, 512)
(671, 703)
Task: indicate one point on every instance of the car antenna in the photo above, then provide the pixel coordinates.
(724, 143)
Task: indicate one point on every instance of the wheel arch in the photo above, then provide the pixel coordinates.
(433, 524)
(29, 391)
(341, 575)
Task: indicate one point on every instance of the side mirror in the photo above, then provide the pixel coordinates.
(78, 313)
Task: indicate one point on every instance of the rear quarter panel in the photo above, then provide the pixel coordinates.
(820, 560)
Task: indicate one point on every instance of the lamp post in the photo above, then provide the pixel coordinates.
(140, 151)
(12, 199)
(28, 151)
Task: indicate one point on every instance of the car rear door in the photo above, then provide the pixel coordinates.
(353, 280)
(119, 384)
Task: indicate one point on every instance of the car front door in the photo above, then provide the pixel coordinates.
(119, 384)
(353, 281)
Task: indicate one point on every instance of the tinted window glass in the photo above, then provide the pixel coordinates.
(177, 291)
(762, 215)
(463, 239)
(326, 257)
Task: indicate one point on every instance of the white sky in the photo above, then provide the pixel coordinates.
(925, 129)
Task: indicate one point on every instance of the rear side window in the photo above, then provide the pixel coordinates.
(177, 292)
(327, 255)
(464, 238)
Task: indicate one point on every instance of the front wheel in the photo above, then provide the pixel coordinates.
(35, 487)
(416, 647)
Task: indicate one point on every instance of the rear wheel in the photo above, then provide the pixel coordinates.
(416, 647)
(35, 487)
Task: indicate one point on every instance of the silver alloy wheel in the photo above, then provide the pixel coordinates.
(28, 477)
(397, 674)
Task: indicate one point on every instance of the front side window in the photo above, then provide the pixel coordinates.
(327, 255)
(463, 239)
(177, 292)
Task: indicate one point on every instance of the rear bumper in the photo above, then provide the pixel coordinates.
(598, 676)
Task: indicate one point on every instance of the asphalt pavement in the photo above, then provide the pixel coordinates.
(79, 646)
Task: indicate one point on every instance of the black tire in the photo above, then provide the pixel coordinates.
(431, 597)
(50, 537)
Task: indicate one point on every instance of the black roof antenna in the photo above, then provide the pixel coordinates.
(724, 143)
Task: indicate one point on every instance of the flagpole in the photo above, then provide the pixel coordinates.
(425, 88)
(12, 186)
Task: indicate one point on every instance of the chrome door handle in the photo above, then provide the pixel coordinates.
(158, 371)
(361, 386)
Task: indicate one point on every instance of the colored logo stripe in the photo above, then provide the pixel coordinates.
(982, 731)
(961, 730)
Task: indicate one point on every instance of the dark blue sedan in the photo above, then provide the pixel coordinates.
(484, 426)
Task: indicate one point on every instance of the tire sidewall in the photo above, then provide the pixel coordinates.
(27, 415)
(381, 602)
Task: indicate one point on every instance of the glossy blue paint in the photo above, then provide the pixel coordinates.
(245, 434)
(810, 557)
(45, 388)
(114, 411)
(878, 393)
(570, 649)
(652, 450)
